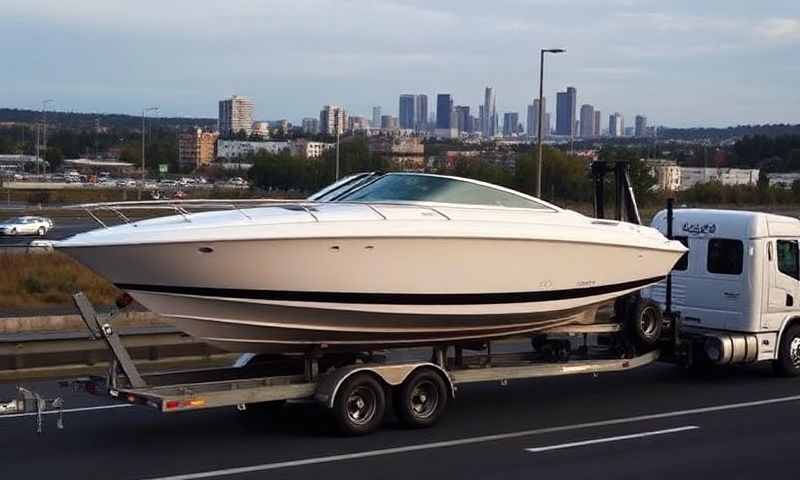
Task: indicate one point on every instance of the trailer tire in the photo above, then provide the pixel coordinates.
(644, 325)
(788, 361)
(421, 400)
(360, 405)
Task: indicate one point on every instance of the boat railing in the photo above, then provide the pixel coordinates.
(185, 208)
(180, 207)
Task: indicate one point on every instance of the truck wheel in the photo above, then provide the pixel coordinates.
(360, 405)
(644, 324)
(421, 400)
(788, 362)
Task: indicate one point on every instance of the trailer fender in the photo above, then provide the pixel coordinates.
(390, 374)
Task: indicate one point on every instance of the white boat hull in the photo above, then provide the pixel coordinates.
(369, 292)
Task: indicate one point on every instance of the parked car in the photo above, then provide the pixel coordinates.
(26, 226)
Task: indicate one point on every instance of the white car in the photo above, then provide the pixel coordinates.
(26, 226)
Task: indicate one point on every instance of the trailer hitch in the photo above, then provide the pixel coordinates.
(28, 401)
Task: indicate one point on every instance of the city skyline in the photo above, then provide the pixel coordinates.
(686, 63)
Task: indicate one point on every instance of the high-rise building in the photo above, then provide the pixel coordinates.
(463, 119)
(510, 123)
(566, 109)
(547, 125)
(388, 122)
(310, 125)
(587, 121)
(358, 124)
(407, 114)
(444, 111)
(196, 148)
(596, 132)
(235, 115)
(533, 118)
(489, 119)
(420, 112)
(616, 125)
(376, 117)
(640, 126)
(332, 120)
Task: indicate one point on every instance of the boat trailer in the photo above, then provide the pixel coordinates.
(361, 386)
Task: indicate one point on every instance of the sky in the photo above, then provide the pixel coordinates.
(682, 63)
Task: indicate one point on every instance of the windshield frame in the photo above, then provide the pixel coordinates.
(341, 186)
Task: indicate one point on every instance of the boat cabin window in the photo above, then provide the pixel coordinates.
(683, 263)
(788, 258)
(428, 188)
(725, 256)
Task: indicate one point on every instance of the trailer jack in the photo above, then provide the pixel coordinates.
(28, 401)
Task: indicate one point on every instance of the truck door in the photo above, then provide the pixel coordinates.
(784, 275)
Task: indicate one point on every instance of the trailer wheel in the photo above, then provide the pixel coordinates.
(421, 400)
(360, 405)
(644, 324)
(788, 362)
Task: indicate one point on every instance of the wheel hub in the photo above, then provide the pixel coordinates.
(424, 399)
(794, 351)
(361, 405)
(647, 323)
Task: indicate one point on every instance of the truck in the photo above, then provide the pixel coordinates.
(737, 288)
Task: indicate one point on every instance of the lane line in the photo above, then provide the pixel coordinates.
(611, 439)
(469, 440)
(68, 410)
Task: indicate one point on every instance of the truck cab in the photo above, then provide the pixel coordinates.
(737, 289)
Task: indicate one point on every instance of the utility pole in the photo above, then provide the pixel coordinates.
(144, 170)
(541, 114)
(44, 130)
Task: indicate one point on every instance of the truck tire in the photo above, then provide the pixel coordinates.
(788, 362)
(644, 324)
(360, 405)
(421, 400)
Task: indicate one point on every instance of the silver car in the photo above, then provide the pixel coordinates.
(26, 226)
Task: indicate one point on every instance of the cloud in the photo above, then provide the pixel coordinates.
(780, 29)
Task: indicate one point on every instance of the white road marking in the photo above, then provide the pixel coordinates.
(469, 441)
(68, 410)
(611, 439)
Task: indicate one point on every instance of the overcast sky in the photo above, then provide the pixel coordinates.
(682, 63)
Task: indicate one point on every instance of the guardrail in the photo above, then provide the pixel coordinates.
(63, 354)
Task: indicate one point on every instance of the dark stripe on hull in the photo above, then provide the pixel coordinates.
(393, 298)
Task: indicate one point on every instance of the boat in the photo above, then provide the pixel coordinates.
(376, 260)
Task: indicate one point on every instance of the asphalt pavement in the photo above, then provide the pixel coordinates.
(654, 422)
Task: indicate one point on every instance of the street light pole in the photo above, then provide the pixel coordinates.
(540, 115)
(337, 152)
(144, 170)
(44, 136)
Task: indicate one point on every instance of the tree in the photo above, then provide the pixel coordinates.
(54, 157)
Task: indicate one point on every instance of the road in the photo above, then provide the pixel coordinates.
(654, 422)
(63, 228)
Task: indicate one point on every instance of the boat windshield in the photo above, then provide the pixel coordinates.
(404, 187)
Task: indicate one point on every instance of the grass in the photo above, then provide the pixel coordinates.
(29, 281)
